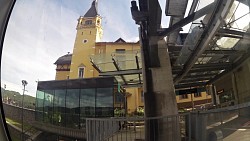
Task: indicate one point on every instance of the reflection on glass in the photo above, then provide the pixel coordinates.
(59, 108)
(48, 105)
(104, 102)
(72, 108)
(39, 105)
(87, 103)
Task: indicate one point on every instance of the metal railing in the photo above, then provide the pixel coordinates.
(227, 124)
(134, 129)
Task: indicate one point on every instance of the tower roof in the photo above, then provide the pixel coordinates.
(64, 60)
(92, 12)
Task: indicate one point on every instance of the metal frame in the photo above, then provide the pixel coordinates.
(147, 15)
(213, 25)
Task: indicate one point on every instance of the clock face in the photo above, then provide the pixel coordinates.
(84, 41)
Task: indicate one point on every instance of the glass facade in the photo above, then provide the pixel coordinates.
(67, 103)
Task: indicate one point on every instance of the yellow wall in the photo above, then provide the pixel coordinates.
(62, 75)
(83, 50)
(202, 97)
(62, 72)
(109, 49)
(132, 100)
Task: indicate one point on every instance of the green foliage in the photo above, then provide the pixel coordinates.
(119, 112)
(140, 111)
(15, 98)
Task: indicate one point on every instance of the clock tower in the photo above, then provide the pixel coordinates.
(89, 31)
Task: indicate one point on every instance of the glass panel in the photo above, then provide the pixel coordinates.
(48, 105)
(59, 108)
(104, 102)
(226, 42)
(87, 104)
(72, 108)
(125, 59)
(39, 105)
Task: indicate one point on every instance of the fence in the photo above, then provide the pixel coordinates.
(227, 124)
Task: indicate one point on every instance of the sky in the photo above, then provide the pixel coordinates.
(40, 31)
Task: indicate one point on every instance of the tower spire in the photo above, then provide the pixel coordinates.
(92, 12)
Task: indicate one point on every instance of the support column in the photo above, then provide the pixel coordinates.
(161, 102)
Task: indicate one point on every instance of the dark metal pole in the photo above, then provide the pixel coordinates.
(22, 111)
(24, 83)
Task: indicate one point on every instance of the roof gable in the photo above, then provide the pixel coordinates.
(120, 40)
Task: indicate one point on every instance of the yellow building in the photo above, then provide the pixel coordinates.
(88, 48)
(197, 99)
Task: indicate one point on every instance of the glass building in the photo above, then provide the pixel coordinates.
(67, 103)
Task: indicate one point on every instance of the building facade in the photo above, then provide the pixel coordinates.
(89, 48)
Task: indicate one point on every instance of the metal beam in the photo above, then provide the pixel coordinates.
(208, 69)
(229, 36)
(204, 67)
(95, 66)
(189, 85)
(187, 20)
(200, 75)
(195, 79)
(235, 66)
(138, 67)
(212, 65)
(202, 70)
(232, 32)
(132, 85)
(121, 72)
(213, 25)
(118, 69)
(225, 52)
(193, 7)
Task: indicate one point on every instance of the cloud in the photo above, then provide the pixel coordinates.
(38, 33)
(117, 20)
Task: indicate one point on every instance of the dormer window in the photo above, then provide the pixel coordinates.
(88, 22)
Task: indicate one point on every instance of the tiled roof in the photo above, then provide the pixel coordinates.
(63, 60)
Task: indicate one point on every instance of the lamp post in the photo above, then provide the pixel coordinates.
(24, 83)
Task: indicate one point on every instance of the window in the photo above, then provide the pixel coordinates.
(121, 58)
(88, 22)
(80, 72)
(120, 51)
(184, 96)
(198, 94)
